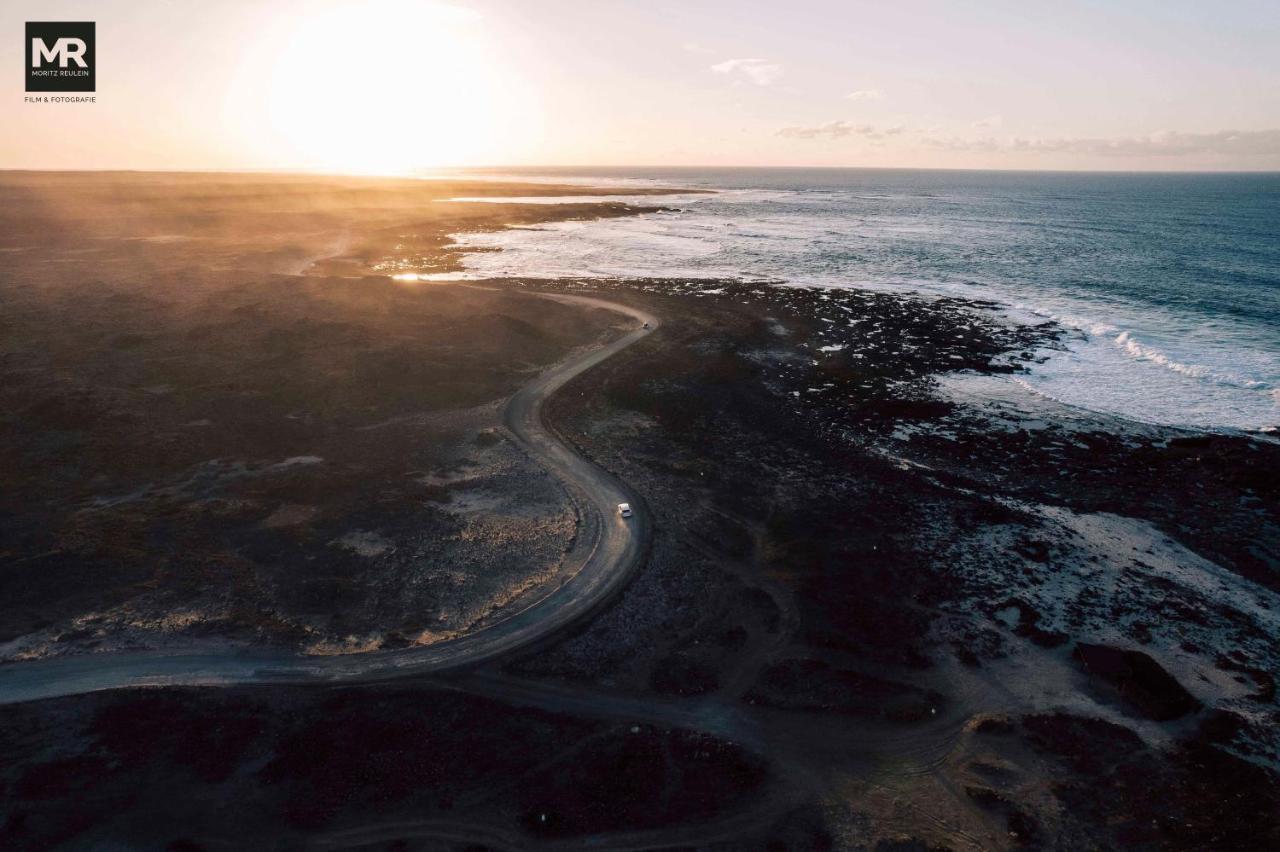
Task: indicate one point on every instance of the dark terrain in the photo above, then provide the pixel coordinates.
(878, 613)
(198, 447)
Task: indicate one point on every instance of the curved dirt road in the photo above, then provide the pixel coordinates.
(615, 549)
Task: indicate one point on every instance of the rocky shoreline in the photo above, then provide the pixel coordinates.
(863, 544)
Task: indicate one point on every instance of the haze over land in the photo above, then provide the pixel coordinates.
(394, 85)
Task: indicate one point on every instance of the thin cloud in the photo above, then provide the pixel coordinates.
(761, 72)
(956, 143)
(865, 95)
(840, 130)
(1169, 143)
(989, 122)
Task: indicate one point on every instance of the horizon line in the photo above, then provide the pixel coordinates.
(424, 171)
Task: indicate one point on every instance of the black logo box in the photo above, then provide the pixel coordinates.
(50, 76)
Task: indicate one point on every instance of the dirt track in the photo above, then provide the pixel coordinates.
(612, 549)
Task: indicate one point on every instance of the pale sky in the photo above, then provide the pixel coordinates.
(396, 85)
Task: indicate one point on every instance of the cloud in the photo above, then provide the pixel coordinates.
(865, 95)
(989, 121)
(761, 72)
(1165, 143)
(695, 47)
(955, 143)
(840, 130)
(1168, 143)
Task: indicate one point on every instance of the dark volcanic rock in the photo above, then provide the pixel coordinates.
(1139, 679)
(1028, 625)
(812, 685)
(1120, 794)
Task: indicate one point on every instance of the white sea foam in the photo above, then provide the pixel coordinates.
(1135, 359)
(1134, 349)
(1086, 324)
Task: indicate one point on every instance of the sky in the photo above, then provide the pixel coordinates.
(397, 86)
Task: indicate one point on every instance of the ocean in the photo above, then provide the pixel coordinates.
(1168, 284)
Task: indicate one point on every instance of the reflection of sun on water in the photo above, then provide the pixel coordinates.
(388, 86)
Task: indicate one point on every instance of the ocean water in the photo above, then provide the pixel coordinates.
(1168, 285)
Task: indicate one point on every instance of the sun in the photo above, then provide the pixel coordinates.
(390, 86)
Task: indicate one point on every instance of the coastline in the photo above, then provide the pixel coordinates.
(1175, 336)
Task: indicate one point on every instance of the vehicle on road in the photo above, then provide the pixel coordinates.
(604, 569)
(646, 325)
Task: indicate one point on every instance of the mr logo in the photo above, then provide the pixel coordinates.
(60, 56)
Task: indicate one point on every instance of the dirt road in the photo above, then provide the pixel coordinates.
(613, 549)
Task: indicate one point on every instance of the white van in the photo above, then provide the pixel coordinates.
(624, 509)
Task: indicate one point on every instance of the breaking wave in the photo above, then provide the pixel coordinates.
(1131, 347)
(1162, 327)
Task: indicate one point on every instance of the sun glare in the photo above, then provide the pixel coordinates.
(390, 86)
